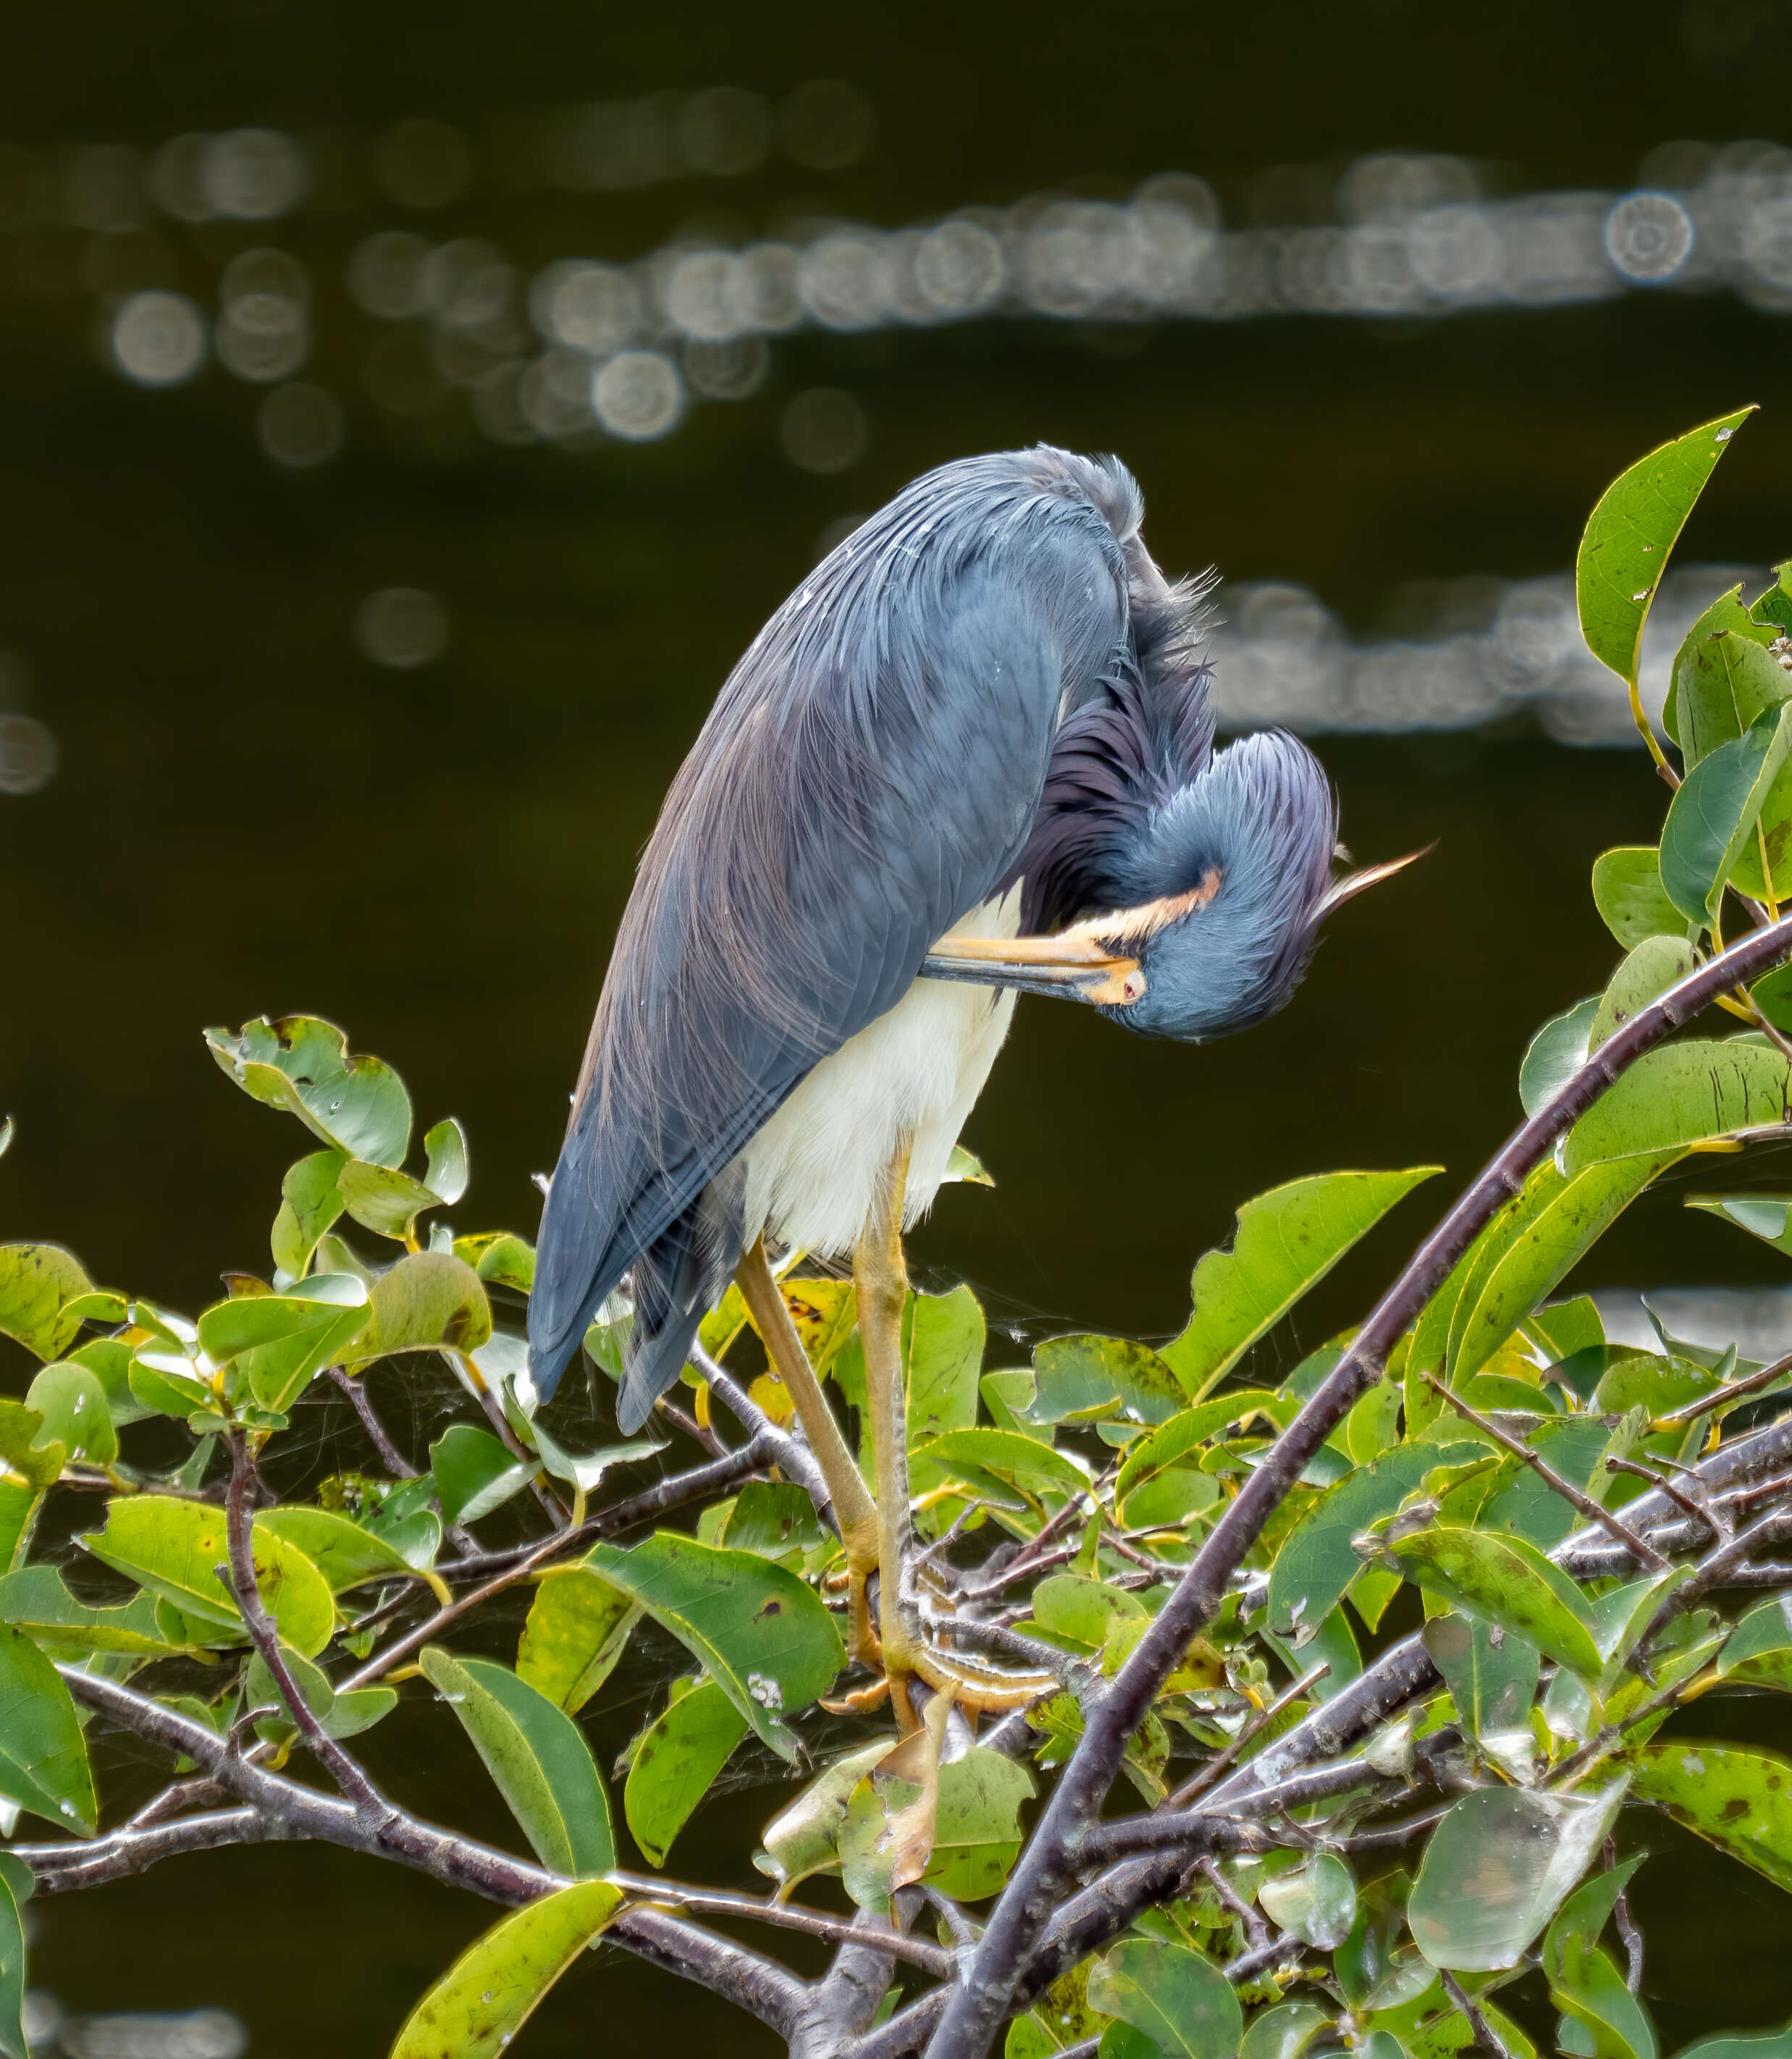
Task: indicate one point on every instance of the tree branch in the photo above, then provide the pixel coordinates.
(977, 2008)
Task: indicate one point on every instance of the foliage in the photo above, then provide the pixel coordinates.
(1577, 1529)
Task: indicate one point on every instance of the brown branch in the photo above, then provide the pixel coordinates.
(979, 2004)
(63, 1868)
(1254, 1729)
(287, 1810)
(1644, 1554)
(393, 1459)
(1487, 2038)
(1700, 1510)
(932, 1959)
(1677, 1418)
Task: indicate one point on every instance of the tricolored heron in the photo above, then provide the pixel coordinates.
(972, 755)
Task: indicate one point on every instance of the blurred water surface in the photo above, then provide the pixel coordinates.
(406, 417)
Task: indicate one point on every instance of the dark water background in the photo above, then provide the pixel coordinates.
(249, 816)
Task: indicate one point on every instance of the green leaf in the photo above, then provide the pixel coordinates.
(280, 1342)
(35, 1600)
(445, 1161)
(309, 1202)
(942, 1347)
(1172, 1442)
(24, 1450)
(761, 1634)
(174, 1547)
(676, 1761)
(72, 1403)
(19, 1504)
(1756, 1653)
(1680, 1096)
(1583, 1983)
(301, 1063)
(1742, 2045)
(1629, 536)
(475, 1472)
(1575, 1213)
(997, 1463)
(1712, 815)
(1072, 1606)
(1491, 1675)
(1497, 1868)
(1654, 965)
(385, 1200)
(1504, 1580)
(38, 1282)
(1286, 1241)
(536, 1754)
(977, 1825)
(346, 1554)
(1091, 1379)
(1317, 1560)
(1627, 892)
(577, 1628)
(490, 1991)
(777, 1520)
(43, 1756)
(499, 1259)
(1556, 1054)
(12, 1949)
(1285, 2031)
(967, 1167)
(428, 1301)
(1316, 1902)
(1723, 678)
(804, 1838)
(1739, 1801)
(1178, 1998)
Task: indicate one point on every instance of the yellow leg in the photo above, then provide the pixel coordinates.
(881, 1286)
(852, 1499)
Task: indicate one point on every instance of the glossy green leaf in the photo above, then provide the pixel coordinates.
(309, 1202)
(1286, 1241)
(1742, 2044)
(1652, 968)
(1722, 678)
(998, 1462)
(965, 1167)
(977, 1828)
(777, 1520)
(492, 1990)
(43, 1756)
(1556, 1054)
(25, 1451)
(475, 1472)
(1498, 1867)
(1074, 1607)
(429, 1300)
(1317, 1561)
(383, 1199)
(1575, 1214)
(174, 1548)
(943, 1346)
(1739, 1801)
(301, 1063)
(1680, 1096)
(675, 1762)
(12, 1957)
(804, 1837)
(1627, 892)
(1583, 1983)
(445, 1169)
(72, 1403)
(1713, 814)
(1285, 2031)
(764, 1637)
(1092, 1379)
(499, 1259)
(577, 1629)
(1630, 535)
(537, 1756)
(342, 1550)
(1756, 1653)
(35, 1600)
(1314, 1902)
(1491, 1674)
(1179, 1998)
(1764, 1216)
(1506, 1581)
(280, 1342)
(37, 1284)
(19, 1504)
(1187, 1431)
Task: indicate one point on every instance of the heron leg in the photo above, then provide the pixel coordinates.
(853, 1507)
(881, 1287)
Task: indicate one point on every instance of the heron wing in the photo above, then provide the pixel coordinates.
(836, 817)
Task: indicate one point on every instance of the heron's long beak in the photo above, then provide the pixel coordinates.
(1354, 883)
(1073, 967)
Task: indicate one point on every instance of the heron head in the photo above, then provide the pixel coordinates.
(1226, 883)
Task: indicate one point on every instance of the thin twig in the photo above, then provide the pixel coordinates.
(394, 1461)
(1256, 1929)
(1486, 2037)
(1018, 1570)
(934, 1959)
(1691, 1502)
(1677, 1418)
(1075, 1675)
(1215, 1766)
(368, 1802)
(698, 1433)
(964, 1931)
(1614, 1527)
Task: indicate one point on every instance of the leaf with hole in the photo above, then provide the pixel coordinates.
(301, 1063)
